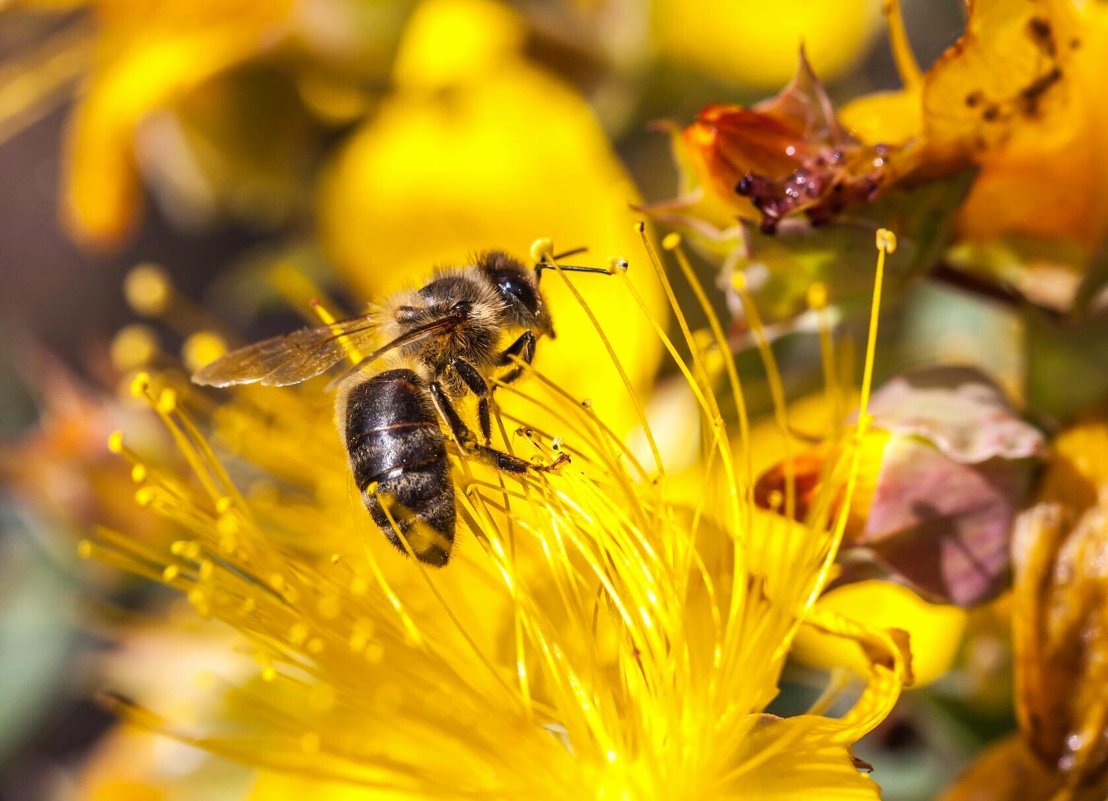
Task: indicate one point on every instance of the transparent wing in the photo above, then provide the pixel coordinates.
(292, 358)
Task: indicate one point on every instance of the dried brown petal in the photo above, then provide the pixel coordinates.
(1060, 614)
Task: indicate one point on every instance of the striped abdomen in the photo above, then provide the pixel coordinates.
(394, 440)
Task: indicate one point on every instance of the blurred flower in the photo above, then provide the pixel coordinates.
(150, 55)
(475, 149)
(1060, 629)
(58, 471)
(152, 104)
(585, 625)
(754, 44)
(132, 764)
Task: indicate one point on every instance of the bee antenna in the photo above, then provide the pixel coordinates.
(567, 253)
(544, 264)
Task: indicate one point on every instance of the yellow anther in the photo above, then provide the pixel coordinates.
(226, 525)
(542, 249)
(738, 281)
(115, 442)
(671, 241)
(817, 296)
(84, 549)
(886, 240)
(269, 673)
(298, 633)
(167, 400)
(223, 505)
(138, 473)
(371, 488)
(202, 348)
(133, 346)
(171, 572)
(147, 289)
(198, 599)
(329, 607)
(144, 496)
(310, 743)
(140, 384)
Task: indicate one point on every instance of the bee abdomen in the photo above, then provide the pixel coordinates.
(394, 441)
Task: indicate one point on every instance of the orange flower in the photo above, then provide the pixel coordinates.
(785, 155)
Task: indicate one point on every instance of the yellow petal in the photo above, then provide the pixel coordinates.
(1063, 140)
(934, 631)
(801, 767)
(890, 118)
(456, 41)
(282, 787)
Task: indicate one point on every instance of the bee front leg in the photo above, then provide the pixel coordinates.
(522, 349)
(467, 440)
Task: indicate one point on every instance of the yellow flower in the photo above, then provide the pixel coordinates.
(1020, 94)
(589, 639)
(149, 56)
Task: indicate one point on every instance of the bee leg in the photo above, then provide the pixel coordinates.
(523, 349)
(467, 440)
(479, 387)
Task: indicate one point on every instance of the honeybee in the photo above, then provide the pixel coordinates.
(444, 342)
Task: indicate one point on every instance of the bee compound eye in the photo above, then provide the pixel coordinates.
(521, 291)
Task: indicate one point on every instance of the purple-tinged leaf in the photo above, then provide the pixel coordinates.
(943, 526)
(959, 409)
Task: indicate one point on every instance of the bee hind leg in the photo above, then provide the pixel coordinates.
(467, 440)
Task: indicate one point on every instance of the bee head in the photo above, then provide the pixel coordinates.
(519, 288)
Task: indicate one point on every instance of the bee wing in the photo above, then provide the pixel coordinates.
(289, 358)
(292, 358)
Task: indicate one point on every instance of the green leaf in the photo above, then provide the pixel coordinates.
(780, 268)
